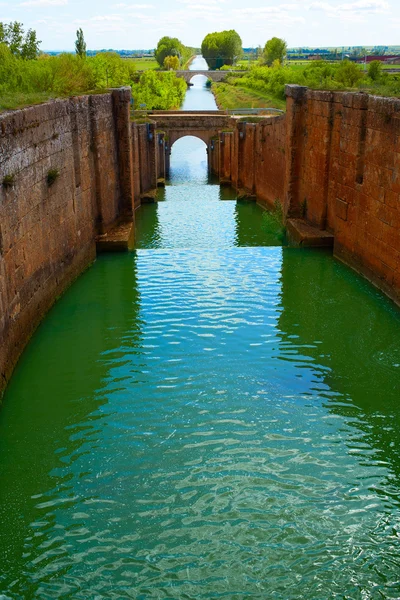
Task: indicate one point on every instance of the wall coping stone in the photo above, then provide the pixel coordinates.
(297, 92)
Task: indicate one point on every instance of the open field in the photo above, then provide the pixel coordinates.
(228, 96)
(300, 64)
(144, 64)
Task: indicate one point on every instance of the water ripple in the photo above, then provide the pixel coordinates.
(216, 459)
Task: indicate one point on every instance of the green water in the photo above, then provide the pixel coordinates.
(211, 416)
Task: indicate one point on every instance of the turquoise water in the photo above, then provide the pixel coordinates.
(198, 96)
(213, 415)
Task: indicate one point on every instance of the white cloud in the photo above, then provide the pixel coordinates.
(200, 7)
(44, 3)
(208, 3)
(107, 18)
(134, 6)
(282, 14)
(358, 7)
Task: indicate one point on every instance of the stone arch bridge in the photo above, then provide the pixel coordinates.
(205, 125)
(213, 75)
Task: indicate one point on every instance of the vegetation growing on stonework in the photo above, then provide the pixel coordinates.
(8, 180)
(52, 175)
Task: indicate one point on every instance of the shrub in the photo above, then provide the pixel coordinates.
(348, 74)
(8, 180)
(159, 90)
(52, 175)
(375, 70)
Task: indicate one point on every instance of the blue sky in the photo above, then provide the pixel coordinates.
(125, 24)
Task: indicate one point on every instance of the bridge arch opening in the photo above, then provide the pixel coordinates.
(188, 161)
(198, 80)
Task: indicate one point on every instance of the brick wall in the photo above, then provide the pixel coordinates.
(47, 233)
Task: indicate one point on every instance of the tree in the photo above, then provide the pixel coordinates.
(30, 47)
(80, 44)
(2, 33)
(171, 63)
(348, 74)
(275, 49)
(168, 46)
(12, 34)
(375, 70)
(221, 48)
(110, 70)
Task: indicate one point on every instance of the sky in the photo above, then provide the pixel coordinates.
(140, 24)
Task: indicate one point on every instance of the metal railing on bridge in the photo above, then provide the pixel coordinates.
(254, 111)
(240, 112)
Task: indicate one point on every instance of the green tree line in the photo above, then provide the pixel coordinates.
(29, 77)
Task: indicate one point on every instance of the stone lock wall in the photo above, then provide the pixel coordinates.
(145, 157)
(48, 229)
(252, 159)
(333, 162)
(345, 177)
(270, 161)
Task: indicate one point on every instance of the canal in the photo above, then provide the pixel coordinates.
(213, 415)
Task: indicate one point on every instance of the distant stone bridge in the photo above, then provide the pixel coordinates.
(213, 75)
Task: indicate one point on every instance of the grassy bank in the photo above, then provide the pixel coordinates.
(144, 64)
(13, 101)
(228, 96)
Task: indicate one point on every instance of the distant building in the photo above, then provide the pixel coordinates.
(381, 57)
(394, 61)
(314, 57)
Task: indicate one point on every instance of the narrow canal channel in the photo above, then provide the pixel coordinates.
(211, 416)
